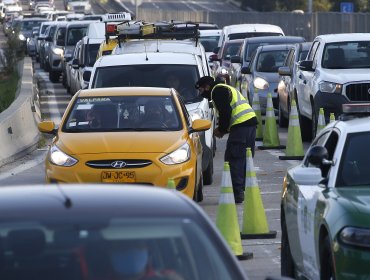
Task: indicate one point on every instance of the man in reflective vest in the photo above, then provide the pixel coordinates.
(236, 117)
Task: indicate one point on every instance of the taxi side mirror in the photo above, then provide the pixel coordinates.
(47, 127)
(200, 125)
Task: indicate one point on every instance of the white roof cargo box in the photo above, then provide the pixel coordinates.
(116, 17)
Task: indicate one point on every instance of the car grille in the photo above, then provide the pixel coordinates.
(358, 92)
(129, 163)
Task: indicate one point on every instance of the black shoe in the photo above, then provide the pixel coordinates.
(239, 200)
(239, 197)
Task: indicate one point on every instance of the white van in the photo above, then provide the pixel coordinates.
(241, 31)
(152, 69)
(209, 39)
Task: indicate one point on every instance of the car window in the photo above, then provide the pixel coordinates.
(302, 55)
(120, 113)
(111, 248)
(209, 42)
(75, 34)
(92, 52)
(270, 61)
(154, 75)
(289, 61)
(230, 50)
(313, 50)
(354, 164)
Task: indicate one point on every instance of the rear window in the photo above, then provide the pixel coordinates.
(116, 248)
(209, 42)
(270, 61)
(92, 52)
(244, 35)
(153, 75)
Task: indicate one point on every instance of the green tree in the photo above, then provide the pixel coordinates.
(289, 5)
(322, 5)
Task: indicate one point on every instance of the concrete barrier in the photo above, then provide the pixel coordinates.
(18, 124)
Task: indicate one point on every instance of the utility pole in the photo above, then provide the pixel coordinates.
(309, 6)
(137, 9)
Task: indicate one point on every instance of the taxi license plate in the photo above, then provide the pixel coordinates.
(118, 177)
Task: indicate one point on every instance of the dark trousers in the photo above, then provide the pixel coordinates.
(240, 138)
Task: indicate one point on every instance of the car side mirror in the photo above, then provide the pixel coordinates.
(306, 65)
(200, 125)
(47, 127)
(48, 39)
(318, 156)
(284, 71)
(75, 63)
(235, 59)
(245, 70)
(86, 76)
(213, 57)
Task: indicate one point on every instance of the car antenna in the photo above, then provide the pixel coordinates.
(146, 54)
(67, 201)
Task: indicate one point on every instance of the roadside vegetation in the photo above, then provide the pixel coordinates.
(9, 76)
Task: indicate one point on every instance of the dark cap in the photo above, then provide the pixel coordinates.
(206, 80)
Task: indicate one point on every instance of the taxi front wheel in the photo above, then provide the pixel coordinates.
(326, 261)
(287, 263)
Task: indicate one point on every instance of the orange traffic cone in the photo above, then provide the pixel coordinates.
(254, 217)
(227, 216)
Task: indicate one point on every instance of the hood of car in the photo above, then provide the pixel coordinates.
(343, 76)
(269, 77)
(357, 198)
(120, 142)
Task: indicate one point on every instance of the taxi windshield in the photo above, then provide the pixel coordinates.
(123, 113)
(153, 75)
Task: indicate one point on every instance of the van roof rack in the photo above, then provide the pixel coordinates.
(158, 30)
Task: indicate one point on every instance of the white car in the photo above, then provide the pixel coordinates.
(336, 71)
(209, 39)
(78, 6)
(151, 69)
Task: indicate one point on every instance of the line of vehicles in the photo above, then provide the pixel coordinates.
(119, 71)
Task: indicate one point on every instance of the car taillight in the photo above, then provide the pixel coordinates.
(111, 29)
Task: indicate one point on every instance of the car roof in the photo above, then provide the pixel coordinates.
(269, 39)
(87, 199)
(275, 47)
(344, 37)
(84, 23)
(356, 124)
(147, 58)
(169, 46)
(252, 27)
(119, 91)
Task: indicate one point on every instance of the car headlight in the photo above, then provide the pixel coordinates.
(224, 71)
(58, 51)
(196, 114)
(60, 158)
(21, 37)
(330, 87)
(69, 8)
(181, 155)
(355, 236)
(260, 83)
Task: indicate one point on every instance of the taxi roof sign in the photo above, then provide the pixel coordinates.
(118, 17)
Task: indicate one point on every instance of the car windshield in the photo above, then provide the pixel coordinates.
(153, 75)
(231, 49)
(110, 248)
(27, 25)
(270, 61)
(209, 42)
(123, 113)
(252, 47)
(354, 164)
(92, 52)
(75, 34)
(346, 55)
(244, 35)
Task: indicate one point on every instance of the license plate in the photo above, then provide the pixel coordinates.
(118, 177)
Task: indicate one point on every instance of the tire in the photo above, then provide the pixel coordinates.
(305, 124)
(214, 146)
(326, 261)
(313, 121)
(208, 173)
(54, 76)
(283, 121)
(287, 262)
(198, 192)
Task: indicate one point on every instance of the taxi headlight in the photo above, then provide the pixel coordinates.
(330, 87)
(60, 158)
(224, 71)
(196, 114)
(359, 237)
(58, 51)
(181, 155)
(21, 37)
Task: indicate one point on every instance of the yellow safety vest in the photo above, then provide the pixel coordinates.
(241, 111)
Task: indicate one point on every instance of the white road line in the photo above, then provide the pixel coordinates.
(29, 164)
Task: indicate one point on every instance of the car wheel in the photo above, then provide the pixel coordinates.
(313, 122)
(283, 121)
(214, 145)
(198, 192)
(326, 261)
(287, 263)
(208, 173)
(305, 124)
(54, 77)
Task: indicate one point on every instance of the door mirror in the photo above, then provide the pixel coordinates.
(245, 70)
(75, 63)
(86, 76)
(215, 50)
(306, 65)
(284, 71)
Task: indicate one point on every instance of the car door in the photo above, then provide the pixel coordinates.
(310, 211)
(75, 72)
(306, 82)
(285, 84)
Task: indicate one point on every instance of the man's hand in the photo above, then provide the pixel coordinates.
(218, 133)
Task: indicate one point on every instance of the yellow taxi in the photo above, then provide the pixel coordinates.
(106, 48)
(127, 135)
